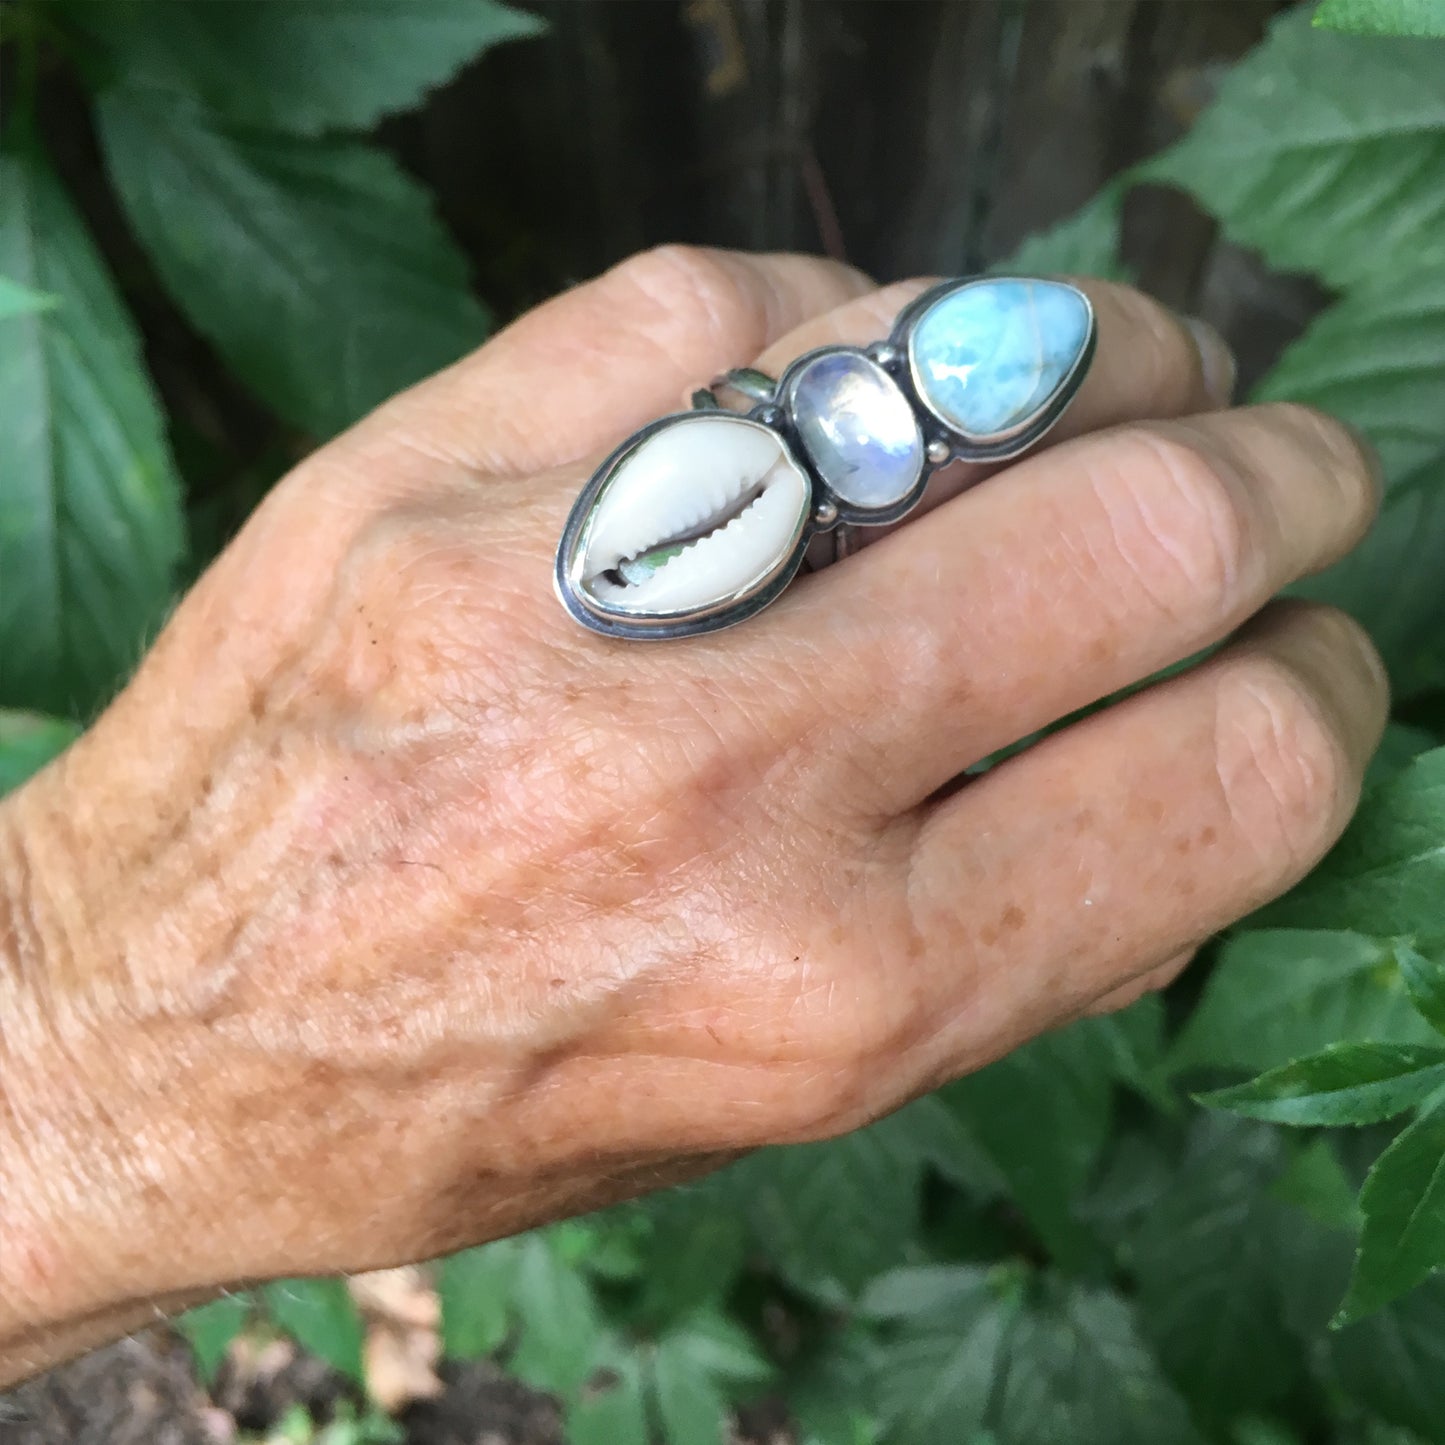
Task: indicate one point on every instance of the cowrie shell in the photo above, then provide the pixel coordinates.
(703, 513)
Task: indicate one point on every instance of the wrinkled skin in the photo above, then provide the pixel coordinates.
(387, 910)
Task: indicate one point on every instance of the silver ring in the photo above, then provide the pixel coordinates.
(747, 381)
(702, 518)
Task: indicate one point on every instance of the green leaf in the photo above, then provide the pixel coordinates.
(1403, 1241)
(1086, 244)
(690, 1407)
(17, 300)
(1203, 1249)
(826, 1388)
(716, 1346)
(320, 1316)
(1312, 1222)
(90, 518)
(1345, 1084)
(1324, 152)
(474, 1289)
(561, 1334)
(209, 1329)
(1276, 994)
(1376, 1432)
(317, 268)
(1386, 876)
(931, 1132)
(1387, 583)
(1315, 1182)
(305, 66)
(1393, 1362)
(604, 1244)
(1383, 17)
(1078, 1372)
(1399, 747)
(962, 1354)
(1377, 359)
(1132, 1040)
(611, 1409)
(929, 1290)
(1042, 1113)
(830, 1216)
(1254, 1431)
(935, 1375)
(694, 1252)
(697, 1369)
(28, 741)
(1425, 980)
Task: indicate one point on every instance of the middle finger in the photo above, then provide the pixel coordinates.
(1072, 575)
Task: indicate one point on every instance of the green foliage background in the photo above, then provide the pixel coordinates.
(1064, 1247)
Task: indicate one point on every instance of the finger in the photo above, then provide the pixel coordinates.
(1116, 843)
(1149, 363)
(576, 375)
(1155, 980)
(1076, 574)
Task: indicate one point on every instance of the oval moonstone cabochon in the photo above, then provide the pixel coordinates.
(992, 354)
(857, 428)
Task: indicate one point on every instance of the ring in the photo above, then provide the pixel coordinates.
(701, 519)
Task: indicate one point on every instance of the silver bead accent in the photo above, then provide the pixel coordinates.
(884, 354)
(939, 451)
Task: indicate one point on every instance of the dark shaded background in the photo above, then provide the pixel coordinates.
(907, 136)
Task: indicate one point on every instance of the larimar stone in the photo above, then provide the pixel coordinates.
(992, 354)
(857, 428)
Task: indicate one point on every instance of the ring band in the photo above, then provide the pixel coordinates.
(701, 519)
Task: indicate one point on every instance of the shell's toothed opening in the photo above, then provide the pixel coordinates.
(634, 571)
(706, 509)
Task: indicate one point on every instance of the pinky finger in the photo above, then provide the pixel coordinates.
(1121, 841)
(1153, 980)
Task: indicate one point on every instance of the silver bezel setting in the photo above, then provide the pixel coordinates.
(995, 446)
(772, 408)
(850, 512)
(586, 609)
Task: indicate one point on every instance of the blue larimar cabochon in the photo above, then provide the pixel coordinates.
(990, 356)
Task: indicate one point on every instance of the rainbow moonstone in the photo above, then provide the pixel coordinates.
(858, 429)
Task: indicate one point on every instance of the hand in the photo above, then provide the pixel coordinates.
(387, 910)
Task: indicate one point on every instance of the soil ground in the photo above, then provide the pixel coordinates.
(144, 1391)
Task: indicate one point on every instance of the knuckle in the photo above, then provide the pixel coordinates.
(1161, 349)
(695, 288)
(1282, 768)
(1313, 426)
(1337, 450)
(1177, 523)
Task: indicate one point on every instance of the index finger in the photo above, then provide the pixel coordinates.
(576, 375)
